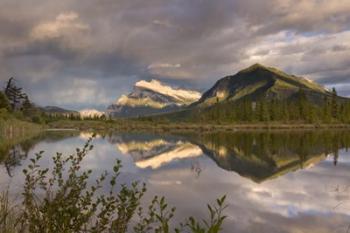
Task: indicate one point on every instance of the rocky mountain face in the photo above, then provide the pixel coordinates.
(259, 82)
(153, 97)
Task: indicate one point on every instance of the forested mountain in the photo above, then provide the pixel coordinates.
(257, 83)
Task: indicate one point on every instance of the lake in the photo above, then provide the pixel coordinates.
(274, 181)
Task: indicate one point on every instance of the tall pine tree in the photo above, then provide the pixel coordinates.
(14, 94)
(334, 103)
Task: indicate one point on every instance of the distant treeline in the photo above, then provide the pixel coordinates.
(50, 117)
(330, 109)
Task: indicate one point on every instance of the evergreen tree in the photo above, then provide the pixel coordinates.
(28, 108)
(14, 94)
(285, 116)
(327, 116)
(4, 103)
(334, 103)
(302, 105)
(275, 110)
(311, 116)
(264, 111)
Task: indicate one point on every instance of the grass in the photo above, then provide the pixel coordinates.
(12, 126)
(14, 132)
(8, 215)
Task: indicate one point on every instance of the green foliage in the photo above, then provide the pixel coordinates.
(4, 114)
(60, 200)
(159, 215)
(4, 103)
(334, 104)
(216, 219)
(37, 119)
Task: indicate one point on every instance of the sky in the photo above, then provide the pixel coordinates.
(85, 54)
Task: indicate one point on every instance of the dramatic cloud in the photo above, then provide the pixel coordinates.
(56, 49)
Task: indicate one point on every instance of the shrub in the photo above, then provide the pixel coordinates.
(60, 200)
(4, 114)
(37, 119)
(4, 103)
(19, 115)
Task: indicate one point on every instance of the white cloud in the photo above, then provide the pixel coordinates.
(163, 65)
(312, 56)
(64, 24)
(163, 23)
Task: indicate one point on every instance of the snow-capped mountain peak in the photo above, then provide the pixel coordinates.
(181, 95)
(152, 97)
(86, 113)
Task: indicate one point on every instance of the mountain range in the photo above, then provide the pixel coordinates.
(53, 110)
(255, 83)
(152, 97)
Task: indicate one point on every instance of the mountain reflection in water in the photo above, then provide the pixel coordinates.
(275, 181)
(155, 153)
(256, 155)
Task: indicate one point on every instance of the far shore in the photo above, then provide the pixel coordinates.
(61, 129)
(137, 126)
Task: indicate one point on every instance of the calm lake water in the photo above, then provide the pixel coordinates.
(275, 182)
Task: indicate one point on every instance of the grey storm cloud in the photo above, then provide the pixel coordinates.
(70, 52)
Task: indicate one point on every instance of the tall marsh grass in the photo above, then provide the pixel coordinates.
(8, 214)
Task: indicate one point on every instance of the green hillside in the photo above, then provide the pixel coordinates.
(259, 82)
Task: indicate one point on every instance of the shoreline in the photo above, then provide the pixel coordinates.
(188, 127)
